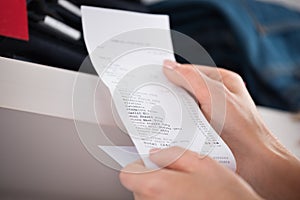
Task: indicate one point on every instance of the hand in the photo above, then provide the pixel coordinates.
(261, 160)
(189, 177)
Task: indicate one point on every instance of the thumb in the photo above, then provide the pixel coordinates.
(175, 158)
(190, 78)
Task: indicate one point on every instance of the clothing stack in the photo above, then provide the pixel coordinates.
(257, 39)
(55, 32)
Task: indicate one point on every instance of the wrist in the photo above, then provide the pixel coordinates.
(278, 171)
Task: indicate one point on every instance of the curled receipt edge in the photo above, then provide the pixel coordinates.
(109, 33)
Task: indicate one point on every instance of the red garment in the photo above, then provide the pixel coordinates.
(13, 19)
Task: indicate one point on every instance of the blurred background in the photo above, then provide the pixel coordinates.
(42, 156)
(259, 39)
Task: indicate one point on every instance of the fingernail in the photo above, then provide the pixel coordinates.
(154, 150)
(170, 64)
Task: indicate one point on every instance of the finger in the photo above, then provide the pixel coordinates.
(188, 77)
(212, 72)
(135, 167)
(137, 196)
(136, 178)
(231, 80)
(132, 174)
(176, 158)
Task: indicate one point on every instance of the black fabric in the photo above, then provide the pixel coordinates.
(45, 49)
(133, 5)
(49, 47)
(214, 35)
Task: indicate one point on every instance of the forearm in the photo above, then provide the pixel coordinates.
(285, 176)
(277, 171)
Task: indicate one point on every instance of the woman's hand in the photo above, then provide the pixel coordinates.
(261, 160)
(189, 177)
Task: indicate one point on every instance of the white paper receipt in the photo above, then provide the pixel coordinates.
(127, 50)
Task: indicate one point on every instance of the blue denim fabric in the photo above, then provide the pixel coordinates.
(261, 41)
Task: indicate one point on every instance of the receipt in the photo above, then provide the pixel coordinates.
(127, 50)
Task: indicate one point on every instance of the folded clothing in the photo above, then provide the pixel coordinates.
(260, 41)
(48, 46)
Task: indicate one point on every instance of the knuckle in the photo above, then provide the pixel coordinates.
(123, 176)
(191, 154)
(208, 162)
(194, 161)
(175, 148)
(153, 186)
(234, 76)
(186, 70)
(237, 77)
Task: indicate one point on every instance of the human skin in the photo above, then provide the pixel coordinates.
(190, 176)
(271, 170)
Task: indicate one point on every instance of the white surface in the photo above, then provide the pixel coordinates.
(284, 126)
(41, 154)
(123, 155)
(46, 90)
(35, 88)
